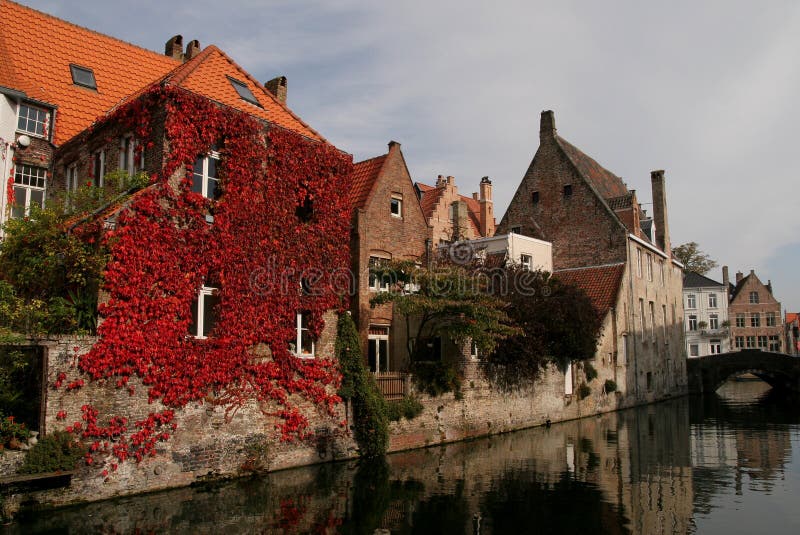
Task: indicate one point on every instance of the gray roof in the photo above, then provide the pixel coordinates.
(696, 280)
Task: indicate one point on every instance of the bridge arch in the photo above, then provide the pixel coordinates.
(707, 374)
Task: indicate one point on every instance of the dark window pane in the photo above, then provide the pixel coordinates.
(210, 316)
(83, 76)
(193, 325)
(383, 346)
(372, 354)
(244, 91)
(37, 197)
(18, 209)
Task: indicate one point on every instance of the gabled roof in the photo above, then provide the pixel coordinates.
(429, 200)
(365, 174)
(36, 51)
(604, 181)
(601, 283)
(741, 284)
(692, 279)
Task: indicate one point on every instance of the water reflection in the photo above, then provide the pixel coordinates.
(679, 467)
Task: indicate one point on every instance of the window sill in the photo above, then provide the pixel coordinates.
(305, 357)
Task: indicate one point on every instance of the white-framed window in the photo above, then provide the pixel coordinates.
(33, 120)
(129, 160)
(204, 178)
(691, 301)
(739, 342)
(204, 312)
(740, 320)
(98, 167)
(774, 343)
(30, 184)
(638, 262)
(378, 349)
(694, 350)
(712, 300)
(396, 205)
(474, 352)
(649, 267)
(378, 282)
(713, 321)
(526, 261)
(770, 319)
(753, 298)
(755, 319)
(715, 347)
(692, 322)
(762, 342)
(72, 178)
(303, 344)
(751, 342)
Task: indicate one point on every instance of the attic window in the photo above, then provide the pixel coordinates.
(83, 77)
(535, 197)
(568, 190)
(244, 91)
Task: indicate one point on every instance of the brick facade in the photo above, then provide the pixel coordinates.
(755, 324)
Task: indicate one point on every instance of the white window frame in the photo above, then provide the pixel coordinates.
(694, 350)
(298, 346)
(755, 319)
(754, 298)
(526, 261)
(376, 283)
(127, 155)
(715, 346)
(396, 205)
(205, 177)
(45, 124)
(691, 301)
(692, 322)
(739, 342)
(712, 300)
(741, 321)
(377, 339)
(713, 322)
(770, 321)
(27, 189)
(649, 267)
(202, 293)
(638, 262)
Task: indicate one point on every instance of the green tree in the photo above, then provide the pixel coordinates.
(557, 321)
(693, 258)
(370, 417)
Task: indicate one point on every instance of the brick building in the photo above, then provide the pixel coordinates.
(388, 224)
(452, 216)
(603, 241)
(755, 314)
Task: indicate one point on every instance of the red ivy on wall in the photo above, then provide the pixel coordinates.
(256, 251)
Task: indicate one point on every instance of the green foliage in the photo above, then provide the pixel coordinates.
(13, 364)
(436, 378)
(409, 408)
(609, 386)
(371, 424)
(693, 258)
(557, 321)
(590, 371)
(60, 451)
(9, 429)
(583, 391)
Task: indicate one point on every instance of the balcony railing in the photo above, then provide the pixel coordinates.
(721, 332)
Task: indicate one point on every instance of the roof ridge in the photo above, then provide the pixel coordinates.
(178, 75)
(589, 267)
(95, 32)
(370, 159)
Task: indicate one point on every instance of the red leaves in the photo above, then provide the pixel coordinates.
(256, 251)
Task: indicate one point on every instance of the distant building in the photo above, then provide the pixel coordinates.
(792, 333)
(705, 305)
(755, 314)
(452, 216)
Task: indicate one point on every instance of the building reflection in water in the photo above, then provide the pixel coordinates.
(648, 470)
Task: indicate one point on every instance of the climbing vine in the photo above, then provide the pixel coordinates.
(250, 243)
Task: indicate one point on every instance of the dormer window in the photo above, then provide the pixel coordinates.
(244, 92)
(33, 120)
(83, 76)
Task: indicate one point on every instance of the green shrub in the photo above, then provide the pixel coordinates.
(10, 429)
(60, 451)
(436, 378)
(610, 386)
(583, 391)
(370, 420)
(590, 371)
(408, 408)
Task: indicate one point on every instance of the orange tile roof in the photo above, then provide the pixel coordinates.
(791, 317)
(601, 284)
(37, 50)
(364, 176)
(40, 68)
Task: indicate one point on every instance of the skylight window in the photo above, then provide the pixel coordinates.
(244, 91)
(83, 76)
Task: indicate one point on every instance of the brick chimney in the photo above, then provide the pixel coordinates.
(547, 126)
(174, 47)
(660, 210)
(192, 50)
(726, 281)
(739, 277)
(486, 215)
(277, 86)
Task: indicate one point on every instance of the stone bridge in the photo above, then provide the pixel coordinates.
(706, 374)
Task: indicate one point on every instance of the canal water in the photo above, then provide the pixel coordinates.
(723, 464)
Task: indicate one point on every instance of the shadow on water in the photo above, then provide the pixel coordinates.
(646, 470)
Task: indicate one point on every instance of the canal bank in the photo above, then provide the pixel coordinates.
(211, 444)
(715, 465)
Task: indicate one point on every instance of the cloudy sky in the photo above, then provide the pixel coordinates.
(707, 91)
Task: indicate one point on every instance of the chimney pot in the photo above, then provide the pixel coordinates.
(547, 126)
(192, 50)
(739, 277)
(278, 87)
(174, 47)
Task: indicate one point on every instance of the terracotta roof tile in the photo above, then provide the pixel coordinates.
(601, 283)
(40, 66)
(364, 176)
(791, 317)
(605, 182)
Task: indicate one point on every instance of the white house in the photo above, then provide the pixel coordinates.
(705, 305)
